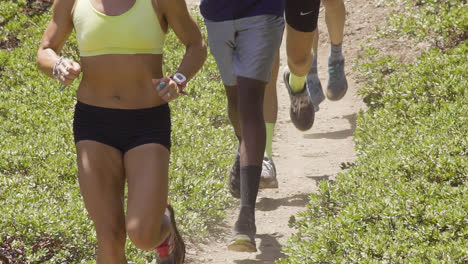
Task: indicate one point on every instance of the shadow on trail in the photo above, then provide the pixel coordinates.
(341, 134)
(270, 250)
(219, 230)
(270, 204)
(318, 179)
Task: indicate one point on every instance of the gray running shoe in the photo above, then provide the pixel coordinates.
(314, 86)
(337, 83)
(243, 239)
(268, 178)
(302, 110)
(234, 177)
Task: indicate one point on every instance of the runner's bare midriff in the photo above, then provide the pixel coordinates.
(120, 81)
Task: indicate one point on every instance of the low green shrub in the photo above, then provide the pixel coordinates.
(441, 23)
(405, 199)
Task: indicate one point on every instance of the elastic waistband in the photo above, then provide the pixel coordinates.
(91, 108)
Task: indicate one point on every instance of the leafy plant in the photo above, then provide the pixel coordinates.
(405, 199)
(442, 23)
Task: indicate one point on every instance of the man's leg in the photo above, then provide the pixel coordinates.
(253, 136)
(221, 39)
(233, 111)
(299, 52)
(233, 114)
(301, 17)
(335, 14)
(270, 106)
(270, 113)
(257, 41)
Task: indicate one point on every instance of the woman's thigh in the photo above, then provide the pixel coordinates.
(146, 168)
(102, 181)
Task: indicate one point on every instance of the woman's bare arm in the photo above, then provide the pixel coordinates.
(53, 39)
(186, 29)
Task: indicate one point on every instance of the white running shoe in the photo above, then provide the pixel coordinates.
(268, 177)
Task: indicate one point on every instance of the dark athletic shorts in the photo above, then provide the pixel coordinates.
(123, 129)
(302, 15)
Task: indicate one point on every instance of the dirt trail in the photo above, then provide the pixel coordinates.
(302, 158)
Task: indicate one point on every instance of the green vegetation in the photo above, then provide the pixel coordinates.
(442, 23)
(43, 216)
(405, 199)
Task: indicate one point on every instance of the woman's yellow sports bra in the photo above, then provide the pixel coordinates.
(137, 31)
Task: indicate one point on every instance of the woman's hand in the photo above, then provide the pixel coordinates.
(167, 89)
(66, 70)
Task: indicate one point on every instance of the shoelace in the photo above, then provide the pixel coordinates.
(299, 102)
(267, 165)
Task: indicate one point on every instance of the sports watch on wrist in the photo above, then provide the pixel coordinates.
(181, 81)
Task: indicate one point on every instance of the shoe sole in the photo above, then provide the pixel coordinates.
(242, 243)
(268, 184)
(337, 98)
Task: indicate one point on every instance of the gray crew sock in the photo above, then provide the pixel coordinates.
(337, 83)
(336, 53)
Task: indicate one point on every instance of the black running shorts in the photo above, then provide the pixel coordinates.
(302, 15)
(123, 129)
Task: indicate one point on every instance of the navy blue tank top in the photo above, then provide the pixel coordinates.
(222, 10)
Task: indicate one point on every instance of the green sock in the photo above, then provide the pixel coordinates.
(270, 127)
(296, 82)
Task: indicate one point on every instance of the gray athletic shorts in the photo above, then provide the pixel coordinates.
(245, 47)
